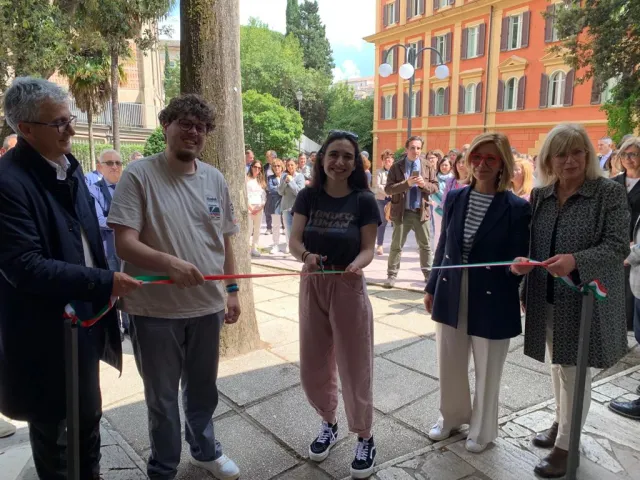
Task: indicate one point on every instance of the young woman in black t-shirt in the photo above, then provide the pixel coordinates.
(334, 226)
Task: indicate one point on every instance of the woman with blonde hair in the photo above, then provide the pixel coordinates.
(580, 230)
(274, 199)
(477, 310)
(523, 178)
(367, 169)
(257, 197)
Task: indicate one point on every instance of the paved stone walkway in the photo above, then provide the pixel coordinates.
(265, 423)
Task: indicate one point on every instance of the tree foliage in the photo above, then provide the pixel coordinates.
(171, 81)
(155, 143)
(348, 113)
(293, 16)
(269, 125)
(308, 28)
(601, 40)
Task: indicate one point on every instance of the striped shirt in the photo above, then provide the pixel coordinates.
(476, 210)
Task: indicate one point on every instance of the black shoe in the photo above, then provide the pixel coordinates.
(362, 466)
(321, 446)
(626, 409)
(268, 232)
(638, 389)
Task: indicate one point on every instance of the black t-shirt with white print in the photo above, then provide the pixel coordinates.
(333, 225)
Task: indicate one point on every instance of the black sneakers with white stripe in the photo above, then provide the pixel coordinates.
(321, 446)
(365, 460)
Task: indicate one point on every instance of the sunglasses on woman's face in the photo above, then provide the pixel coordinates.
(489, 160)
(257, 167)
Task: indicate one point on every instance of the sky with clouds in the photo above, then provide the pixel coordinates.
(346, 21)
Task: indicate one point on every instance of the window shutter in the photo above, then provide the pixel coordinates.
(384, 55)
(452, 2)
(482, 32)
(479, 97)
(526, 21)
(449, 42)
(446, 100)
(419, 103)
(422, 7)
(405, 106)
(522, 88)
(463, 43)
(544, 90)
(395, 61)
(436, 5)
(504, 35)
(420, 55)
(432, 103)
(500, 104)
(382, 102)
(461, 99)
(409, 13)
(548, 23)
(385, 16)
(434, 55)
(568, 88)
(397, 11)
(394, 106)
(596, 92)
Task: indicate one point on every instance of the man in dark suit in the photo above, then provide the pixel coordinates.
(51, 255)
(410, 182)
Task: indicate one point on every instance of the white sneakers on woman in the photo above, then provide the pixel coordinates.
(437, 434)
(474, 447)
(6, 429)
(223, 468)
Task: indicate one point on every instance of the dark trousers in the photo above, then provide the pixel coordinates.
(630, 301)
(636, 319)
(48, 438)
(166, 351)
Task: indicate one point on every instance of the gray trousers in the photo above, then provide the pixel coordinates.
(410, 221)
(167, 351)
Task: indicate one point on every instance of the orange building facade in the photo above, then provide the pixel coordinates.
(502, 76)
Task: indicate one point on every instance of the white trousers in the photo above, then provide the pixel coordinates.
(254, 227)
(276, 224)
(454, 346)
(563, 378)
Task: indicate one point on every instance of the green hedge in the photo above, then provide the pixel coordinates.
(81, 152)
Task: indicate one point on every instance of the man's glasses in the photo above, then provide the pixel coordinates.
(345, 133)
(60, 126)
(489, 160)
(111, 163)
(187, 125)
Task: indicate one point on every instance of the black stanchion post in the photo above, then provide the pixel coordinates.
(73, 402)
(581, 384)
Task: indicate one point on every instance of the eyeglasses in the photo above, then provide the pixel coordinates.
(257, 167)
(489, 160)
(187, 125)
(60, 126)
(630, 155)
(346, 133)
(111, 163)
(576, 154)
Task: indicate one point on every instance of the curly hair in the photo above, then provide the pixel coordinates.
(188, 104)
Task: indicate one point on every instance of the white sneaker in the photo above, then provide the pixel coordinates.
(222, 468)
(255, 252)
(437, 433)
(286, 249)
(474, 447)
(275, 250)
(6, 429)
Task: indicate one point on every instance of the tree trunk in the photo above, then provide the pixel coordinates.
(115, 107)
(92, 147)
(210, 66)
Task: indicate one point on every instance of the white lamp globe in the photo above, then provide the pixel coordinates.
(385, 70)
(406, 71)
(442, 72)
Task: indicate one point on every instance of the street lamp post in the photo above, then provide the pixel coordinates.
(299, 98)
(407, 71)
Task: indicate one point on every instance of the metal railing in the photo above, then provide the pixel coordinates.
(130, 114)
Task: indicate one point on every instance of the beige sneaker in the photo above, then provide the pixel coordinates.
(6, 429)
(379, 250)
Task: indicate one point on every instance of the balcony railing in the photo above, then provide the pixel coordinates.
(130, 114)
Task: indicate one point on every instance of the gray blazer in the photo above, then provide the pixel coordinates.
(289, 191)
(634, 260)
(593, 225)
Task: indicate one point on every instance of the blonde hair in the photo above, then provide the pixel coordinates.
(504, 148)
(561, 139)
(366, 163)
(277, 162)
(527, 177)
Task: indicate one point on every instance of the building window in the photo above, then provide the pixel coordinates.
(470, 98)
(390, 10)
(414, 104)
(511, 94)
(515, 32)
(607, 93)
(417, 7)
(388, 107)
(442, 3)
(473, 34)
(557, 84)
(441, 46)
(414, 47)
(391, 59)
(439, 108)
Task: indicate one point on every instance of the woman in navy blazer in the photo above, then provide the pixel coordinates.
(477, 309)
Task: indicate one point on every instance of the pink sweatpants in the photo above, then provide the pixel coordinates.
(336, 336)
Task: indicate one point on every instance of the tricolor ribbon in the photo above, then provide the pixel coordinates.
(599, 291)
